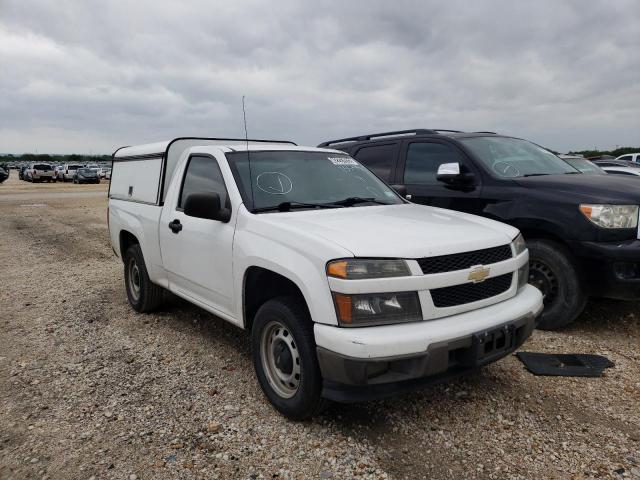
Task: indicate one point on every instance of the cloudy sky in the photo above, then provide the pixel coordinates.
(88, 76)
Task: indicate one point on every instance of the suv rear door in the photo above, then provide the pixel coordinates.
(380, 158)
(417, 171)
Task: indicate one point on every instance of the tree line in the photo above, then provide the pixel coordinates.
(52, 158)
(614, 153)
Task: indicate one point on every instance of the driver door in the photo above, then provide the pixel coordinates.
(198, 254)
(420, 160)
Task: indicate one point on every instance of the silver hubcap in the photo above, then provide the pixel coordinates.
(134, 279)
(280, 359)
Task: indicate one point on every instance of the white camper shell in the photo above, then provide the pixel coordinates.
(160, 160)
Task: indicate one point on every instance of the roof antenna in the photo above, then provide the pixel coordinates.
(246, 139)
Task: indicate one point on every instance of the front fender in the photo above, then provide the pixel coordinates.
(306, 270)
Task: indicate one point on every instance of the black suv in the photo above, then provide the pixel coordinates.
(581, 230)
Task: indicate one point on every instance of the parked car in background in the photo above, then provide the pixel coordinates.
(68, 171)
(581, 230)
(584, 165)
(40, 172)
(107, 173)
(349, 291)
(616, 163)
(58, 173)
(22, 172)
(630, 157)
(85, 175)
(4, 174)
(95, 168)
(628, 171)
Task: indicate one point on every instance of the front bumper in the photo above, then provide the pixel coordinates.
(612, 269)
(374, 362)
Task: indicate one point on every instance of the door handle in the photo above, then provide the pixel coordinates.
(175, 226)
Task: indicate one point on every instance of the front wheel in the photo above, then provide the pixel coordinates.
(144, 295)
(284, 357)
(553, 271)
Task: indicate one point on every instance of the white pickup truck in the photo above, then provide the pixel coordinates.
(350, 292)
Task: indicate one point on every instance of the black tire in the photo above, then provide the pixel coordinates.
(144, 295)
(553, 270)
(292, 314)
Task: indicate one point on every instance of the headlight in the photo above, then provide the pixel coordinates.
(611, 216)
(377, 308)
(519, 245)
(360, 268)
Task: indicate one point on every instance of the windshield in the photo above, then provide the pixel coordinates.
(513, 157)
(585, 166)
(313, 178)
(85, 171)
(42, 166)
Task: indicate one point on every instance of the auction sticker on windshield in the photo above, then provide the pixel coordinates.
(342, 161)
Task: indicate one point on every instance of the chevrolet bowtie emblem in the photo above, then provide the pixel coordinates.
(479, 274)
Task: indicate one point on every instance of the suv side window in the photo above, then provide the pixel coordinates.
(380, 159)
(202, 175)
(423, 160)
(626, 157)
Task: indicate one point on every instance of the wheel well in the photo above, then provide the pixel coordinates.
(261, 285)
(126, 240)
(533, 233)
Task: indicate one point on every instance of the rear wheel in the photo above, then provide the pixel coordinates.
(553, 271)
(143, 294)
(284, 357)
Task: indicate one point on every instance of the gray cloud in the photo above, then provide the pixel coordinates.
(93, 75)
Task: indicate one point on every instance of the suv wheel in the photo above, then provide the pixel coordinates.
(553, 272)
(143, 294)
(284, 357)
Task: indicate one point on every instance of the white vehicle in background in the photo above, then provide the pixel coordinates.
(349, 291)
(630, 157)
(107, 173)
(68, 171)
(40, 172)
(58, 173)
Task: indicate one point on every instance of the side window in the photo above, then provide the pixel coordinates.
(423, 160)
(626, 157)
(203, 175)
(379, 159)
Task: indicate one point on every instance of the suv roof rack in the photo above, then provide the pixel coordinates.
(419, 131)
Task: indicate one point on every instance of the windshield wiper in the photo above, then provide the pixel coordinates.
(286, 206)
(535, 174)
(350, 201)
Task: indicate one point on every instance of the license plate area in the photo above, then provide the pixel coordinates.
(491, 344)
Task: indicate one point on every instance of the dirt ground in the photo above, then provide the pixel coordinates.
(91, 390)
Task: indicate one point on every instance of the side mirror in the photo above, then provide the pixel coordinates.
(451, 173)
(207, 206)
(400, 190)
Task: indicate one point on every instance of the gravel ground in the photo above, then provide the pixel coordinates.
(91, 390)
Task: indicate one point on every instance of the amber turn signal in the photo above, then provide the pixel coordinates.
(337, 269)
(344, 307)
